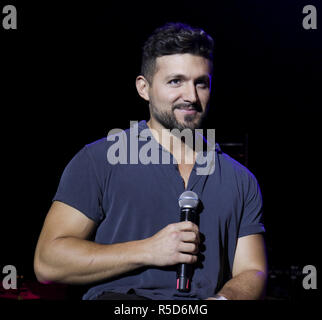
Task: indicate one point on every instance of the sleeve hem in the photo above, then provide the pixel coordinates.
(75, 206)
(251, 229)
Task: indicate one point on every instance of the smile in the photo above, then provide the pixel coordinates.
(188, 110)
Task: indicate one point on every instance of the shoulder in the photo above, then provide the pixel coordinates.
(234, 169)
(96, 148)
(99, 151)
(237, 178)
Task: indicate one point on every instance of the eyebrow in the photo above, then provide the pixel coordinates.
(182, 76)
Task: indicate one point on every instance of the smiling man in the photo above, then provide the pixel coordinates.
(177, 100)
(132, 209)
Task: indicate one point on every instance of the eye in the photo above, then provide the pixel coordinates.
(175, 81)
(204, 84)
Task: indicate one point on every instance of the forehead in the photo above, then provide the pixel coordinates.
(187, 64)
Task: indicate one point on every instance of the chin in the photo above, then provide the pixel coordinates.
(191, 124)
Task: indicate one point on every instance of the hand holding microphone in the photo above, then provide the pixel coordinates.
(188, 202)
(177, 243)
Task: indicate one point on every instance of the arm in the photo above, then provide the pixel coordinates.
(63, 253)
(249, 270)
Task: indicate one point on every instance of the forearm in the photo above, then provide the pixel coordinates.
(248, 285)
(73, 260)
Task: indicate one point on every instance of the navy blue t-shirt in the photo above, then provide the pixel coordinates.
(133, 201)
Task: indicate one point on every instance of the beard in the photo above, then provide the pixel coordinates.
(169, 121)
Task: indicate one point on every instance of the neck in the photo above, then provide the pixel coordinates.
(182, 152)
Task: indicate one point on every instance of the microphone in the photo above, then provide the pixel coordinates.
(188, 202)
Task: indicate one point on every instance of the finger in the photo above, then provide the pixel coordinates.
(187, 247)
(188, 236)
(188, 226)
(187, 258)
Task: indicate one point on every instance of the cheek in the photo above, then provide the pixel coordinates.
(204, 97)
(165, 95)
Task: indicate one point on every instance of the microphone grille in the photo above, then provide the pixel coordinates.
(188, 199)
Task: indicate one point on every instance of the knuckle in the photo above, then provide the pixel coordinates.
(171, 227)
(186, 258)
(192, 259)
(175, 235)
(195, 248)
(190, 224)
(193, 238)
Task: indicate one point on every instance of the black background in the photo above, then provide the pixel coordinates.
(67, 78)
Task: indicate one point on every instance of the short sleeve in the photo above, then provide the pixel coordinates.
(252, 215)
(79, 186)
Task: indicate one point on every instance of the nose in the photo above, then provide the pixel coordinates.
(190, 93)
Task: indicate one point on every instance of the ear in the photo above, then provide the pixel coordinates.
(142, 86)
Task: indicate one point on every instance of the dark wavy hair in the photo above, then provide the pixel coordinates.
(174, 38)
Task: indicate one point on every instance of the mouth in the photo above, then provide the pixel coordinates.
(187, 110)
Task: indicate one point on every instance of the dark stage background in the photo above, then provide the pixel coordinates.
(67, 78)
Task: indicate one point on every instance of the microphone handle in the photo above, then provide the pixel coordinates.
(187, 214)
(184, 270)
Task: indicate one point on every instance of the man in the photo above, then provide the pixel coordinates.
(133, 207)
